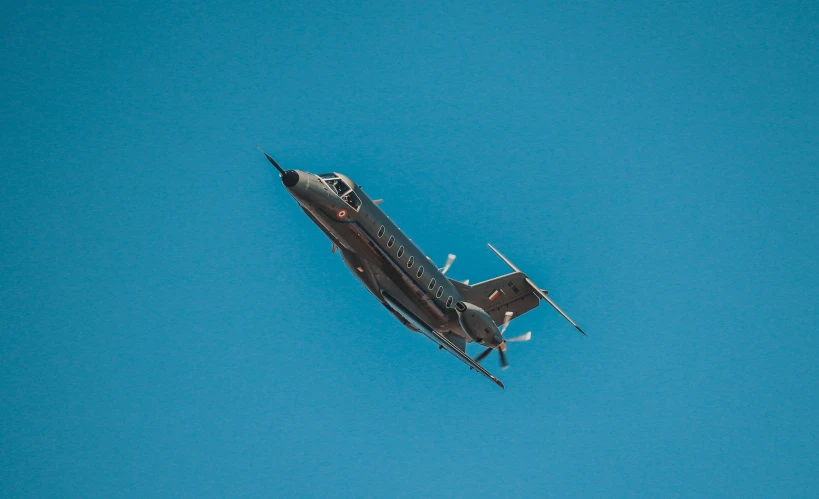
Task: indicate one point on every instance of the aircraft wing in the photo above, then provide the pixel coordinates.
(466, 359)
(440, 339)
(456, 340)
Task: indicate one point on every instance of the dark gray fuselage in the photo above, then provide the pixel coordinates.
(378, 253)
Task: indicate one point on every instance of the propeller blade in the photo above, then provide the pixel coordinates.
(506, 318)
(483, 355)
(504, 362)
(523, 337)
(449, 260)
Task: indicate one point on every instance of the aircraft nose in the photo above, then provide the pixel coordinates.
(290, 178)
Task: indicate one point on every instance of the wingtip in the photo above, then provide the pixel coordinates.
(581, 331)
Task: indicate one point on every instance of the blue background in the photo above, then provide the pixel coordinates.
(174, 326)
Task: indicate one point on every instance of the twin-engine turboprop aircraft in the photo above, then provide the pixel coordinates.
(405, 281)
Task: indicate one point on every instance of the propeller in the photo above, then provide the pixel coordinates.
(507, 317)
(449, 260)
(483, 354)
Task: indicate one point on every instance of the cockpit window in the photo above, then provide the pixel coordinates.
(328, 175)
(351, 199)
(338, 185)
(343, 190)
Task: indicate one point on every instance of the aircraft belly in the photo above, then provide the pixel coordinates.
(388, 285)
(324, 225)
(363, 271)
(377, 271)
(410, 297)
(388, 276)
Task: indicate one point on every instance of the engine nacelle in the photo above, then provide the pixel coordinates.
(478, 324)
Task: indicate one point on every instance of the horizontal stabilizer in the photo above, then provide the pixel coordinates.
(507, 293)
(536, 290)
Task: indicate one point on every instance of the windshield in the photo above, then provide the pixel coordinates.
(351, 199)
(338, 185)
(343, 190)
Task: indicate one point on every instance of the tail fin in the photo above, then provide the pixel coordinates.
(496, 296)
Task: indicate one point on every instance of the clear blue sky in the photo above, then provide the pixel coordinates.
(173, 325)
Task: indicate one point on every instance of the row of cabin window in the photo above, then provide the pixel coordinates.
(410, 263)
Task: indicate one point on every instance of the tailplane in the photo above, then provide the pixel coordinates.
(507, 293)
(541, 293)
(514, 293)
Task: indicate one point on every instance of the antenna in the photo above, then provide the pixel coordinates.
(272, 161)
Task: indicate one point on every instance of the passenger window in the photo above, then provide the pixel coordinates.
(420, 272)
(391, 241)
(432, 284)
(440, 292)
(381, 231)
(410, 262)
(449, 302)
(400, 251)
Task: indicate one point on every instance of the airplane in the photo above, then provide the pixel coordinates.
(404, 280)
